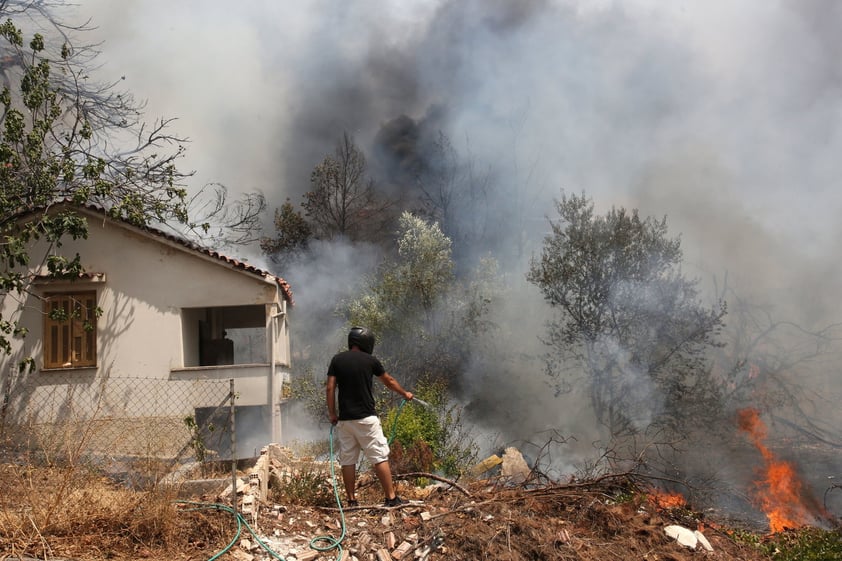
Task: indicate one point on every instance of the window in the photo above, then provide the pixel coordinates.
(224, 335)
(70, 330)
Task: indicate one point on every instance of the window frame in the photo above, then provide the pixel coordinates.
(70, 342)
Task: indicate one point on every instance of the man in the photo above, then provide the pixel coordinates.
(357, 424)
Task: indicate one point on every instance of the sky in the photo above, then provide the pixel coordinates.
(723, 116)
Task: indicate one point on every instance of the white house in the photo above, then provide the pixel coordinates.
(152, 310)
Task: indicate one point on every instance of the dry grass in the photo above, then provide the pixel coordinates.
(72, 512)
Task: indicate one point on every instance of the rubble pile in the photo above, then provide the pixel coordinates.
(496, 515)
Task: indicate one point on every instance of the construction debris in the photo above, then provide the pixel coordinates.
(687, 537)
(514, 469)
(225, 495)
(474, 515)
(486, 465)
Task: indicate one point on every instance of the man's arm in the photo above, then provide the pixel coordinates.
(395, 386)
(330, 396)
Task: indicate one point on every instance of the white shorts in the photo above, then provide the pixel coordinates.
(361, 434)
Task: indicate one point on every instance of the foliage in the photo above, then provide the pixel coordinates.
(424, 317)
(438, 428)
(425, 264)
(309, 391)
(292, 234)
(809, 544)
(412, 422)
(801, 544)
(628, 315)
(342, 201)
(197, 439)
(56, 152)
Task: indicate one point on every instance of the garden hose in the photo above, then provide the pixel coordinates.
(318, 543)
(240, 523)
(329, 541)
(395, 422)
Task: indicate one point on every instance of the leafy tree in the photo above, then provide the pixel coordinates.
(425, 318)
(343, 201)
(58, 150)
(628, 317)
(292, 234)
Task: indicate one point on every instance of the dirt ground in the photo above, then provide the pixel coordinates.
(583, 522)
(586, 521)
(572, 522)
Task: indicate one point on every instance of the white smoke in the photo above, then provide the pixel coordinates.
(723, 116)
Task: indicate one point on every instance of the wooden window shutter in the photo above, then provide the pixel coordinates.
(70, 330)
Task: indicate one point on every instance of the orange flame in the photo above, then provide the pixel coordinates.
(663, 499)
(779, 494)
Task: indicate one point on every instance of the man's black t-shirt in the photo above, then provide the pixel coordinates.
(354, 372)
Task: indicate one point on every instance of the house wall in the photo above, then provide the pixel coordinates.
(140, 334)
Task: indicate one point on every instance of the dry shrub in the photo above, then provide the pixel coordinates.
(309, 484)
(606, 520)
(417, 458)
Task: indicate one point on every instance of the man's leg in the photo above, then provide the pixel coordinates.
(384, 475)
(376, 447)
(349, 452)
(349, 478)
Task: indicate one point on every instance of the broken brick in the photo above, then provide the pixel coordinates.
(308, 555)
(401, 550)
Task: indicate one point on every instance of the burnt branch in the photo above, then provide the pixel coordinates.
(434, 477)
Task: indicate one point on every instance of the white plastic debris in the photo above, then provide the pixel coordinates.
(703, 540)
(684, 536)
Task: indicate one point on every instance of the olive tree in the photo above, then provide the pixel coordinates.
(428, 322)
(629, 322)
(426, 319)
(59, 149)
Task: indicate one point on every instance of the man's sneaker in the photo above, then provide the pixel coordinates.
(397, 501)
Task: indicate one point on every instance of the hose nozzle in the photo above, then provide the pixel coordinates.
(421, 402)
